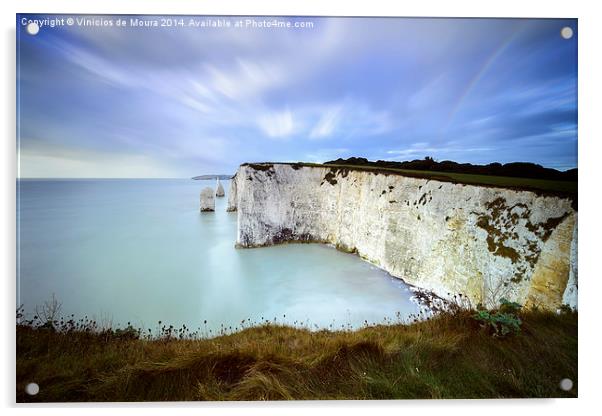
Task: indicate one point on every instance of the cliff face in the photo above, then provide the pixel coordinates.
(484, 242)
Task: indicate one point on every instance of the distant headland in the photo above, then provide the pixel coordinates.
(208, 177)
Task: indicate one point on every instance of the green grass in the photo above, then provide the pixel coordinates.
(449, 356)
(567, 188)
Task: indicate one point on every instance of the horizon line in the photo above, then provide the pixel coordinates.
(98, 177)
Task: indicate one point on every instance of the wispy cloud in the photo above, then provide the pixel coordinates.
(423, 149)
(277, 124)
(349, 118)
(327, 123)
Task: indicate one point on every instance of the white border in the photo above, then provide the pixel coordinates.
(590, 71)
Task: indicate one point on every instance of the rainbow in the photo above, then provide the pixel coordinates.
(487, 64)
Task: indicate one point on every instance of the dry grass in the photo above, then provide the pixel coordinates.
(446, 357)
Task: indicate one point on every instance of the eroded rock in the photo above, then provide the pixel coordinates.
(219, 191)
(232, 195)
(207, 200)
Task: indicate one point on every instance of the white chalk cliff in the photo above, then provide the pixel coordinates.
(483, 242)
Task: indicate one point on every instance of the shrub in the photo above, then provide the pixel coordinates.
(128, 332)
(509, 307)
(501, 322)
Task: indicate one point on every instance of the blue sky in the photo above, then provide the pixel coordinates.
(179, 102)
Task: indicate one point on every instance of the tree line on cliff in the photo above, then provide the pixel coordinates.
(514, 169)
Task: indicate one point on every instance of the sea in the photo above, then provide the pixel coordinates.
(138, 251)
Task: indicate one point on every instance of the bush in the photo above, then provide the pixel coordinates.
(509, 307)
(128, 332)
(501, 322)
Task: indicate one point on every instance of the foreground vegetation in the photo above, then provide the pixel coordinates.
(463, 354)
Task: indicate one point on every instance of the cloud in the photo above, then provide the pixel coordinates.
(277, 124)
(246, 80)
(422, 149)
(70, 163)
(190, 101)
(327, 124)
(349, 118)
(101, 68)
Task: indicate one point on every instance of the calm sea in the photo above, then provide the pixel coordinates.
(139, 251)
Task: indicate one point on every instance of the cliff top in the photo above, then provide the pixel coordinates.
(513, 169)
(545, 185)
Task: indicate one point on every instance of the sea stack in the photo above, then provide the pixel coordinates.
(232, 195)
(219, 192)
(207, 200)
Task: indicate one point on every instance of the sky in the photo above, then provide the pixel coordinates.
(96, 101)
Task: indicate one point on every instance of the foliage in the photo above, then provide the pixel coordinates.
(501, 322)
(515, 169)
(509, 307)
(129, 332)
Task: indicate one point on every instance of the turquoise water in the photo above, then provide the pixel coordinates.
(139, 251)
